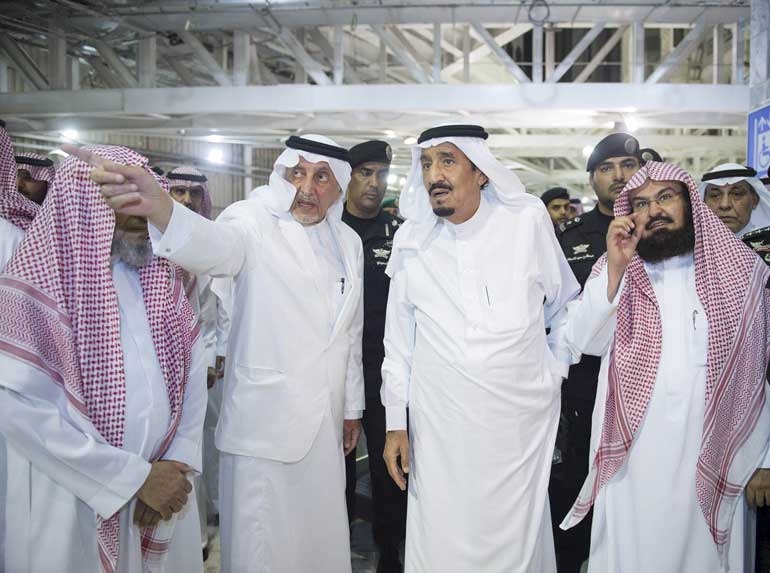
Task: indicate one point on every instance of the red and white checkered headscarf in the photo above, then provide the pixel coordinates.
(730, 282)
(61, 315)
(184, 182)
(38, 172)
(14, 206)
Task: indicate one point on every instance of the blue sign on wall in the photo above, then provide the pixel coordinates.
(758, 155)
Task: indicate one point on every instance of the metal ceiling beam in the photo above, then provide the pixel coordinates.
(503, 38)
(506, 60)
(324, 13)
(589, 98)
(23, 63)
(680, 53)
(399, 50)
(312, 67)
(600, 56)
(577, 51)
(118, 66)
(205, 57)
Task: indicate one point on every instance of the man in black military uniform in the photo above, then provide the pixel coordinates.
(583, 239)
(363, 213)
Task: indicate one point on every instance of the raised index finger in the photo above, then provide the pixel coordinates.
(84, 155)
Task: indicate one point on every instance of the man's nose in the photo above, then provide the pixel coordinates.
(724, 202)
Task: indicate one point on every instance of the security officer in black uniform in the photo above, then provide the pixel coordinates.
(363, 213)
(583, 239)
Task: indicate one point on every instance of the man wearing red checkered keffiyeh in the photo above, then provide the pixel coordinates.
(16, 211)
(34, 176)
(189, 187)
(101, 392)
(679, 311)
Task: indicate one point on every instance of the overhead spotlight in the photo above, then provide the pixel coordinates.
(588, 150)
(390, 134)
(70, 134)
(631, 124)
(216, 155)
(410, 141)
(214, 138)
(392, 179)
(402, 181)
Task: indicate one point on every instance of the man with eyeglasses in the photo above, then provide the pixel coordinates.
(737, 196)
(679, 312)
(583, 239)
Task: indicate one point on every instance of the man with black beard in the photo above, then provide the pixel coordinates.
(679, 311)
(370, 162)
(583, 239)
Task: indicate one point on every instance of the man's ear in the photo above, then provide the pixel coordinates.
(482, 179)
(755, 199)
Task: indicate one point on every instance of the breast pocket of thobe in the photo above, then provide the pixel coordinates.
(511, 303)
(699, 336)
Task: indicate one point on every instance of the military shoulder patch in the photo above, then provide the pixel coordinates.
(571, 224)
(763, 232)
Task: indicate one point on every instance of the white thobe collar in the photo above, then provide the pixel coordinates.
(671, 263)
(472, 226)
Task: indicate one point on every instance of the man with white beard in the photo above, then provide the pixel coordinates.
(680, 313)
(98, 396)
(293, 395)
(477, 276)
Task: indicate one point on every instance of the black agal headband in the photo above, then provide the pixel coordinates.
(21, 160)
(453, 131)
(318, 148)
(745, 172)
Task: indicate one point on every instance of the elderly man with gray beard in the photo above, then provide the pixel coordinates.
(101, 393)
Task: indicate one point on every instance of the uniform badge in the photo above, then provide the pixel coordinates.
(580, 249)
(381, 253)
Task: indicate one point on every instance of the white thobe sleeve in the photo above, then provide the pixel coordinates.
(186, 445)
(560, 287)
(223, 328)
(99, 474)
(208, 324)
(354, 384)
(590, 323)
(203, 247)
(399, 341)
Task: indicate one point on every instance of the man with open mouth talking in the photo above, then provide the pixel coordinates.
(477, 276)
(294, 393)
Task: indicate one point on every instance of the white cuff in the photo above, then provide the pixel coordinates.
(185, 451)
(108, 500)
(354, 414)
(395, 418)
(178, 232)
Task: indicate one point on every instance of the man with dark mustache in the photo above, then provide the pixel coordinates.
(613, 162)
(370, 163)
(679, 311)
(477, 276)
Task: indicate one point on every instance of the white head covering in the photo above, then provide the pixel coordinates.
(760, 217)
(279, 194)
(414, 202)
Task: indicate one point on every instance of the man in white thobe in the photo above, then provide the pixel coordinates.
(16, 214)
(293, 395)
(680, 314)
(476, 278)
(189, 187)
(737, 197)
(96, 350)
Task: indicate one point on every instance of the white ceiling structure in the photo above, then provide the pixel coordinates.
(547, 78)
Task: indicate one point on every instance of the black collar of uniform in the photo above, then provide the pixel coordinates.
(187, 177)
(453, 131)
(765, 180)
(21, 160)
(745, 172)
(318, 148)
(2, 123)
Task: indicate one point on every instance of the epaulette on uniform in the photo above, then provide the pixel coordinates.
(763, 232)
(571, 224)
